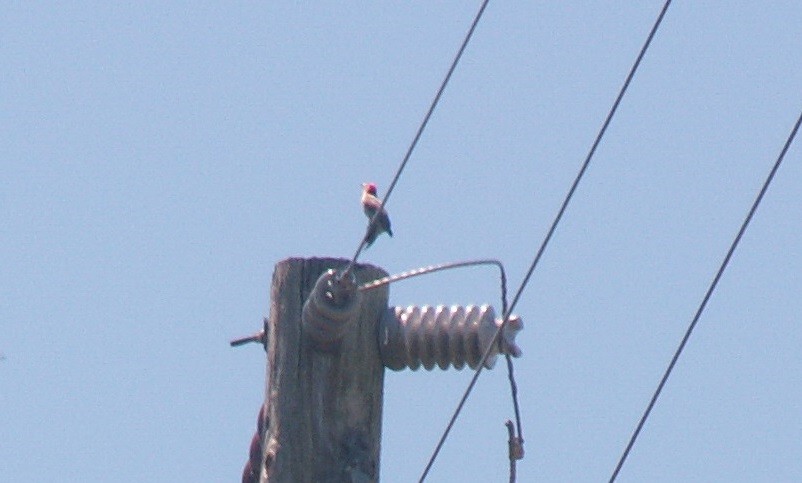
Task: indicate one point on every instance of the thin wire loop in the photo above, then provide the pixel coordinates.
(548, 237)
(706, 298)
(504, 310)
(437, 268)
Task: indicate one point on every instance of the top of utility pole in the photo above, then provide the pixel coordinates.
(327, 345)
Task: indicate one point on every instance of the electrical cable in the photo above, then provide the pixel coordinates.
(706, 298)
(546, 240)
(419, 132)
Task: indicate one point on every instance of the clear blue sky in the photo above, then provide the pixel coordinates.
(158, 159)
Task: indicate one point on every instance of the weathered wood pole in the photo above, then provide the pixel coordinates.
(323, 398)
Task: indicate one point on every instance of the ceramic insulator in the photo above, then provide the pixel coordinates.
(413, 336)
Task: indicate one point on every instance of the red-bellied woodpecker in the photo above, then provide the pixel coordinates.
(370, 205)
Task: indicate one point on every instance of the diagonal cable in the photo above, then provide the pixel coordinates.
(420, 129)
(706, 298)
(548, 237)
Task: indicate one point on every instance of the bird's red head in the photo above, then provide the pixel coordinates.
(370, 188)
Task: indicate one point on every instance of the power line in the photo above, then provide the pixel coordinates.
(420, 130)
(548, 237)
(706, 298)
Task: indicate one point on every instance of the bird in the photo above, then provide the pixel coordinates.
(370, 205)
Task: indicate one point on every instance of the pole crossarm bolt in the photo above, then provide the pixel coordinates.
(414, 336)
(331, 307)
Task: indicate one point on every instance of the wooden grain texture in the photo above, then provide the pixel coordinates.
(324, 408)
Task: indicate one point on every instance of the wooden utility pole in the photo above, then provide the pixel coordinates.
(329, 337)
(324, 397)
